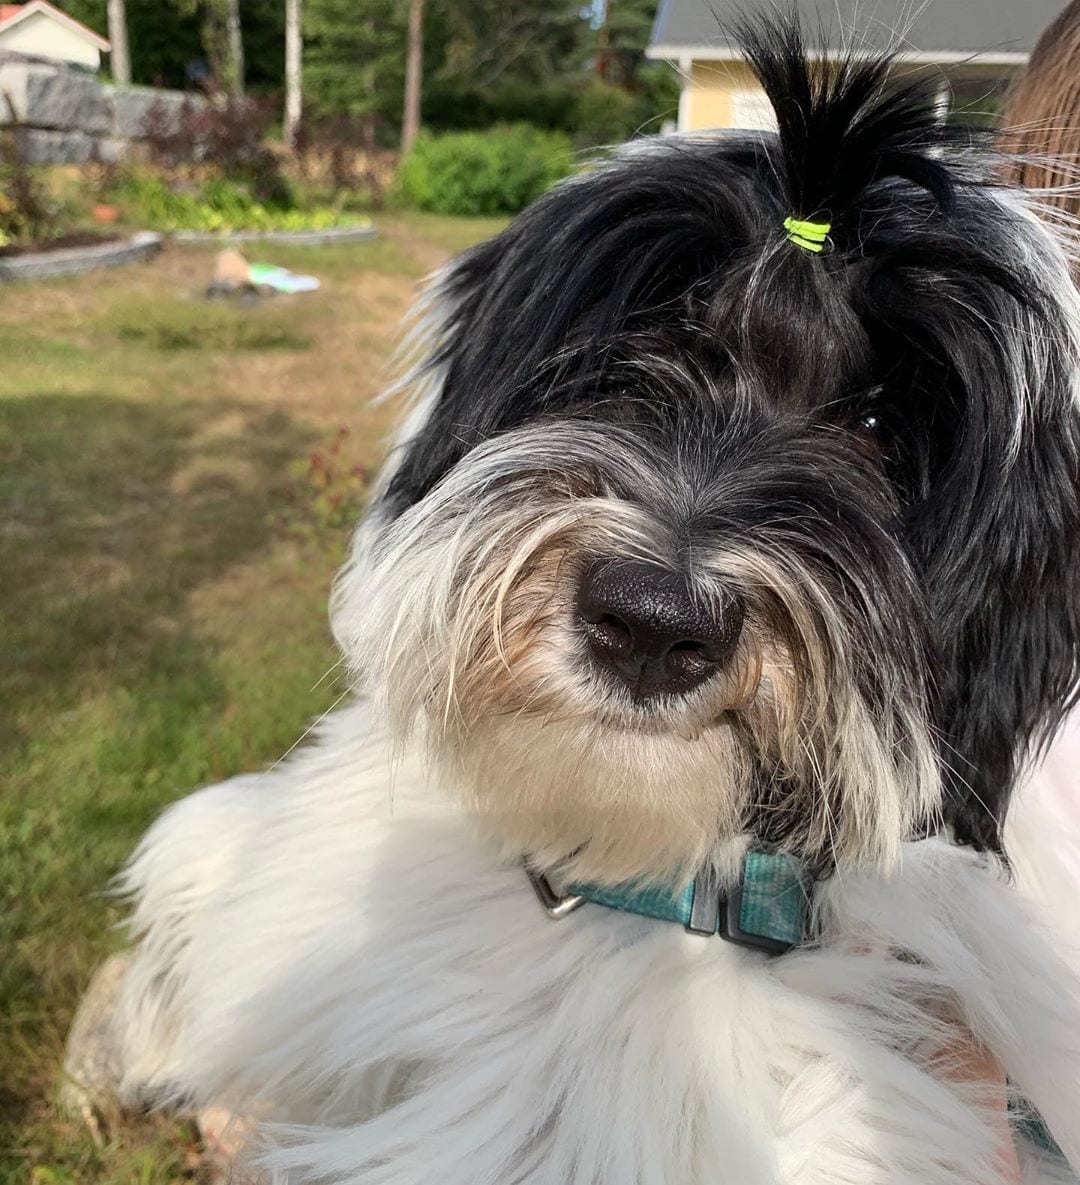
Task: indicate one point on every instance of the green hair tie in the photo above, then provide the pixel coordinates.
(808, 235)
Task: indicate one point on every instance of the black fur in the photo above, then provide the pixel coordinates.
(909, 392)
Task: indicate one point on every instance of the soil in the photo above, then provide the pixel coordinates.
(84, 238)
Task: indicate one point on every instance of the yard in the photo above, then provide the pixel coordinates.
(175, 476)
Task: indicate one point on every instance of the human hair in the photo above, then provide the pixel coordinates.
(1041, 123)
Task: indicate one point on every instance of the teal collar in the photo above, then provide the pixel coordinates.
(767, 910)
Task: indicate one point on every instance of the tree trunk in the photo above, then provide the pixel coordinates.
(414, 68)
(119, 59)
(293, 65)
(236, 47)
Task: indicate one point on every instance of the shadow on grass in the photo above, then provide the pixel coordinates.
(112, 513)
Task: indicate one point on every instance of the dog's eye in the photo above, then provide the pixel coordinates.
(870, 436)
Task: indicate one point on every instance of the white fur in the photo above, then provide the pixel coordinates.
(329, 947)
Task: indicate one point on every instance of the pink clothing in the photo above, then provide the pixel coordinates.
(1053, 796)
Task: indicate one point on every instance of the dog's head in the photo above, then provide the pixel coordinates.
(695, 532)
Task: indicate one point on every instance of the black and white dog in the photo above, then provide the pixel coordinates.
(725, 575)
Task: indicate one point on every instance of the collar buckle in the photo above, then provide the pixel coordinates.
(555, 905)
(730, 927)
(767, 910)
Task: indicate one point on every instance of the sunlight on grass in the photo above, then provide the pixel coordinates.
(182, 325)
(162, 601)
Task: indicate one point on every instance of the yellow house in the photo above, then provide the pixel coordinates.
(974, 47)
(39, 30)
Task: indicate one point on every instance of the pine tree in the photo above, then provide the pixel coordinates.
(354, 56)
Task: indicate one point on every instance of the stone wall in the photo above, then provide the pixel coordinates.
(67, 116)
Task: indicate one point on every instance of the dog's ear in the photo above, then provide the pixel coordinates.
(436, 431)
(972, 316)
(1001, 543)
(1011, 639)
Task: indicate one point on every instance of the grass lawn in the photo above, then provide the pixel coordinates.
(165, 560)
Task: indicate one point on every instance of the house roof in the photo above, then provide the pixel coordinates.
(13, 14)
(994, 32)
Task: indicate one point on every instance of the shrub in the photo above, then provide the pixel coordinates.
(27, 210)
(213, 170)
(450, 105)
(344, 153)
(608, 114)
(326, 493)
(228, 136)
(215, 204)
(498, 171)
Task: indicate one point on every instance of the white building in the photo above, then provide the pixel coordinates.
(42, 31)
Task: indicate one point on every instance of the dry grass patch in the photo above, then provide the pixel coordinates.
(163, 586)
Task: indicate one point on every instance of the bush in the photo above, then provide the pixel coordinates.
(326, 493)
(213, 170)
(343, 153)
(215, 204)
(229, 136)
(499, 171)
(608, 114)
(28, 213)
(454, 106)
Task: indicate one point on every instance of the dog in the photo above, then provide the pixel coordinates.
(717, 593)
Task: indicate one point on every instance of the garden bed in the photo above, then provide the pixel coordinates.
(298, 238)
(86, 238)
(63, 257)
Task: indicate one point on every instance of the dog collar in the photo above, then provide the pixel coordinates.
(767, 910)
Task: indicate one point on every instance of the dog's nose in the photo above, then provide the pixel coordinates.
(643, 624)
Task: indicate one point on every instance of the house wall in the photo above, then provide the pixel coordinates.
(726, 94)
(41, 36)
(723, 95)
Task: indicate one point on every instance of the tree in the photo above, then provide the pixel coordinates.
(622, 29)
(264, 44)
(235, 42)
(490, 41)
(354, 57)
(161, 38)
(222, 38)
(293, 67)
(119, 59)
(414, 66)
(623, 34)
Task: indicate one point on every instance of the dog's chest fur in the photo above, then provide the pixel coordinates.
(408, 998)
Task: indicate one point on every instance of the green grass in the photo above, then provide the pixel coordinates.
(205, 328)
(161, 620)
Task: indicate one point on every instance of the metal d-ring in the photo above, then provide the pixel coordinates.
(555, 906)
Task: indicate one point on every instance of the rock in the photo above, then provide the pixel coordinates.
(38, 146)
(53, 97)
(44, 97)
(135, 108)
(110, 151)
